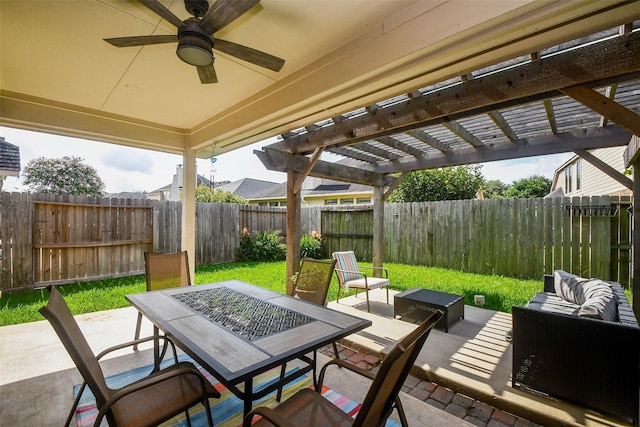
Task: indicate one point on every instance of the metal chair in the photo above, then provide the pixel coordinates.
(163, 271)
(147, 402)
(311, 284)
(309, 408)
(350, 276)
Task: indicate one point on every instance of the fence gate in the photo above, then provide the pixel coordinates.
(73, 241)
(351, 230)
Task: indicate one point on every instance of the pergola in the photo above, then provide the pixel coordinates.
(396, 85)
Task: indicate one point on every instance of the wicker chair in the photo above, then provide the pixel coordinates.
(350, 275)
(147, 402)
(308, 408)
(163, 271)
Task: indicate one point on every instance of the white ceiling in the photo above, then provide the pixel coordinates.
(57, 75)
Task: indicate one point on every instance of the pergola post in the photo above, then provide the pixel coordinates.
(378, 227)
(293, 227)
(188, 237)
(635, 238)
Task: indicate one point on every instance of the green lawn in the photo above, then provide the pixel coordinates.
(501, 293)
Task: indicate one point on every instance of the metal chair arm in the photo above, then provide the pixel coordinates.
(343, 364)
(270, 415)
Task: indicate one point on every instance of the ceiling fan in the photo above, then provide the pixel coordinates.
(195, 35)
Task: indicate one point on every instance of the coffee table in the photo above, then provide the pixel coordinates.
(415, 305)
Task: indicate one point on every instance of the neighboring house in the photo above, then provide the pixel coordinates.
(126, 195)
(315, 192)
(172, 191)
(577, 177)
(9, 160)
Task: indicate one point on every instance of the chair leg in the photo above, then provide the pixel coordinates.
(137, 335)
(207, 408)
(401, 414)
(335, 350)
(186, 415)
(72, 412)
(366, 291)
(387, 295)
(282, 372)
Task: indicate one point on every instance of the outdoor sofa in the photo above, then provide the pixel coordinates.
(581, 359)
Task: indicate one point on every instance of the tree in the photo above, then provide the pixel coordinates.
(494, 189)
(452, 183)
(68, 175)
(526, 188)
(205, 194)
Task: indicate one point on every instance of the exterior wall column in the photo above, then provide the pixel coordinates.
(188, 238)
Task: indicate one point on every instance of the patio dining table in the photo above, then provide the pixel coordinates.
(236, 330)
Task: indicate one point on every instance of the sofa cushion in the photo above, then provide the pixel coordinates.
(546, 301)
(595, 297)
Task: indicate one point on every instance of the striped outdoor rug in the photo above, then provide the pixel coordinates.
(227, 410)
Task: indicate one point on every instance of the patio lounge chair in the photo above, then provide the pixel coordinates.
(163, 271)
(147, 402)
(308, 408)
(350, 276)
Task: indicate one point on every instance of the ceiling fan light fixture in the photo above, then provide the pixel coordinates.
(195, 46)
(194, 54)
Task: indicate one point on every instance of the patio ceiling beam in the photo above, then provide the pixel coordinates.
(280, 161)
(398, 145)
(611, 136)
(605, 107)
(608, 62)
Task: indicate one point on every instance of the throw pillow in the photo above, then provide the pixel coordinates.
(595, 297)
(569, 286)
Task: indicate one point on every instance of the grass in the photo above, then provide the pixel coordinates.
(501, 293)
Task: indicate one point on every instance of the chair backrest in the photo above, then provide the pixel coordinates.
(58, 314)
(393, 372)
(313, 280)
(165, 271)
(346, 266)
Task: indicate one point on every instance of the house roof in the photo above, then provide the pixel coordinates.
(250, 188)
(126, 195)
(9, 158)
(200, 181)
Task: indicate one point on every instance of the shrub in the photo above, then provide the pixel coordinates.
(311, 245)
(262, 246)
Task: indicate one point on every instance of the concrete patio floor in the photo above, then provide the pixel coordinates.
(473, 359)
(37, 375)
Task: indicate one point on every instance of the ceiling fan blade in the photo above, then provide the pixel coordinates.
(207, 74)
(223, 12)
(250, 55)
(141, 40)
(164, 13)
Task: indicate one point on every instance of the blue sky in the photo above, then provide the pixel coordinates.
(130, 169)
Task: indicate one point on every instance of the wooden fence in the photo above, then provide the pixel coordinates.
(589, 236)
(59, 239)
